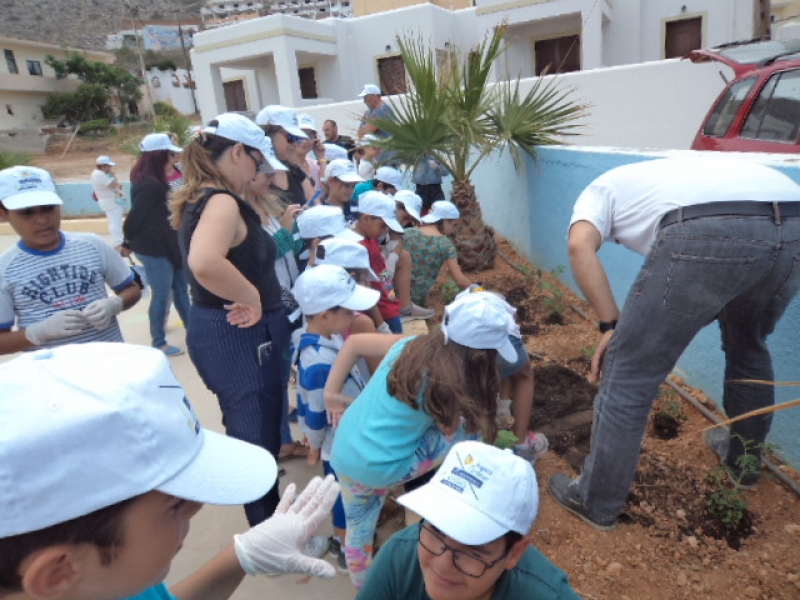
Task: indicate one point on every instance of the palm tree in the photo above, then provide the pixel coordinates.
(454, 114)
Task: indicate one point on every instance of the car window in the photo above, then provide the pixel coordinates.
(726, 109)
(775, 115)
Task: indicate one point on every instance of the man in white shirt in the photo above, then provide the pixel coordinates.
(722, 241)
(109, 195)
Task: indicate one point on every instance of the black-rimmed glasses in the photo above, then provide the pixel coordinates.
(259, 163)
(469, 565)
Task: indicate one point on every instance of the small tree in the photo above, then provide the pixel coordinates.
(88, 103)
(455, 114)
(120, 83)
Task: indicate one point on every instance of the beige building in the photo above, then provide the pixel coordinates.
(26, 81)
(371, 7)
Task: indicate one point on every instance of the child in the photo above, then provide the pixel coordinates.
(109, 464)
(428, 393)
(409, 206)
(52, 284)
(327, 295)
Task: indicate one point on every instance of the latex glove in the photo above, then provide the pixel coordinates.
(383, 328)
(58, 325)
(100, 313)
(276, 545)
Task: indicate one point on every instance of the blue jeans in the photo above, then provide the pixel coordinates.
(249, 394)
(742, 271)
(165, 280)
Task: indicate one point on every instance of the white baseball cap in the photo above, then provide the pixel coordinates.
(343, 170)
(86, 426)
(334, 151)
(477, 322)
(381, 205)
(281, 116)
(369, 89)
(104, 160)
(26, 187)
(344, 253)
(479, 494)
(324, 221)
(327, 286)
(391, 176)
(268, 150)
(158, 141)
(236, 128)
(307, 122)
(441, 209)
(369, 139)
(410, 201)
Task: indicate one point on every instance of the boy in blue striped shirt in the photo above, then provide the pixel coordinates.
(327, 296)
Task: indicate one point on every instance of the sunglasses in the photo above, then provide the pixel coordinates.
(291, 138)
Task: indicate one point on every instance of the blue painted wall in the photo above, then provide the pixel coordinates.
(553, 185)
(78, 201)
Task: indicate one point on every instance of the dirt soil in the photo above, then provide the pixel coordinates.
(667, 545)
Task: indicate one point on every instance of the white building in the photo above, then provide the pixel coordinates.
(311, 9)
(221, 13)
(300, 62)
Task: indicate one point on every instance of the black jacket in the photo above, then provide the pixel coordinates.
(146, 228)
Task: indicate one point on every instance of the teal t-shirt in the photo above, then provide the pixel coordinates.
(396, 575)
(157, 592)
(378, 434)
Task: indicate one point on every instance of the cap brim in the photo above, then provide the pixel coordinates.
(394, 225)
(225, 471)
(452, 517)
(31, 199)
(349, 234)
(430, 218)
(507, 351)
(409, 209)
(296, 131)
(349, 177)
(276, 164)
(363, 298)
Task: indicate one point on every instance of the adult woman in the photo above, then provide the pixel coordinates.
(148, 234)
(277, 219)
(430, 248)
(238, 330)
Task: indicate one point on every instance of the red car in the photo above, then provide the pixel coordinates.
(759, 110)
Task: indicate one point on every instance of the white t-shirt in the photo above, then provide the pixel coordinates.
(100, 184)
(626, 203)
(35, 284)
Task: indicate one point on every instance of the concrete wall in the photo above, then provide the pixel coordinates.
(532, 209)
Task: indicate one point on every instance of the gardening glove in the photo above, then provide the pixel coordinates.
(276, 545)
(58, 325)
(100, 313)
(383, 328)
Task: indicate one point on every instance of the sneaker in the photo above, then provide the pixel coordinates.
(718, 439)
(565, 491)
(341, 564)
(335, 546)
(317, 546)
(533, 448)
(412, 312)
(171, 350)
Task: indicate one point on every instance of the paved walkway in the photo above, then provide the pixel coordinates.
(213, 527)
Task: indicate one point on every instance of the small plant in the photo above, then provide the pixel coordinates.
(528, 272)
(588, 351)
(727, 502)
(448, 291)
(668, 417)
(12, 159)
(505, 439)
(94, 127)
(162, 109)
(554, 300)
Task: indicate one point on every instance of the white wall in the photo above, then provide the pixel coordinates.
(179, 97)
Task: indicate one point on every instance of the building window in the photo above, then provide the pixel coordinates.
(392, 73)
(308, 83)
(682, 37)
(11, 62)
(558, 55)
(9, 110)
(34, 67)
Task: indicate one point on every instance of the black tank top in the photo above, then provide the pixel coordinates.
(254, 257)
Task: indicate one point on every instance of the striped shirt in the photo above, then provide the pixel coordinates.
(36, 284)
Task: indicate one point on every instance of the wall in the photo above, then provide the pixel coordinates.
(179, 96)
(533, 211)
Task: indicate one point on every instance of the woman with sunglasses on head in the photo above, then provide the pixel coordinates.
(238, 332)
(283, 128)
(148, 234)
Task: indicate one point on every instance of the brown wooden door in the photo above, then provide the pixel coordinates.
(308, 83)
(561, 55)
(682, 37)
(392, 72)
(234, 95)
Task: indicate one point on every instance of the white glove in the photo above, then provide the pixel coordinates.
(100, 312)
(58, 325)
(391, 263)
(383, 328)
(275, 546)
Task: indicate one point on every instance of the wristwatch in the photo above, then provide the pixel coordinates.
(605, 326)
(322, 161)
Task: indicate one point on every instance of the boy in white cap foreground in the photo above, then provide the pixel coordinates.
(472, 543)
(104, 466)
(53, 284)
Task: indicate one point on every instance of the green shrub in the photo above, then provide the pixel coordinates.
(96, 126)
(178, 124)
(162, 109)
(12, 159)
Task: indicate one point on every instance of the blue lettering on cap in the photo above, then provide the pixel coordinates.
(469, 477)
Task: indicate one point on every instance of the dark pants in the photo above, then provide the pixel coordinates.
(250, 395)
